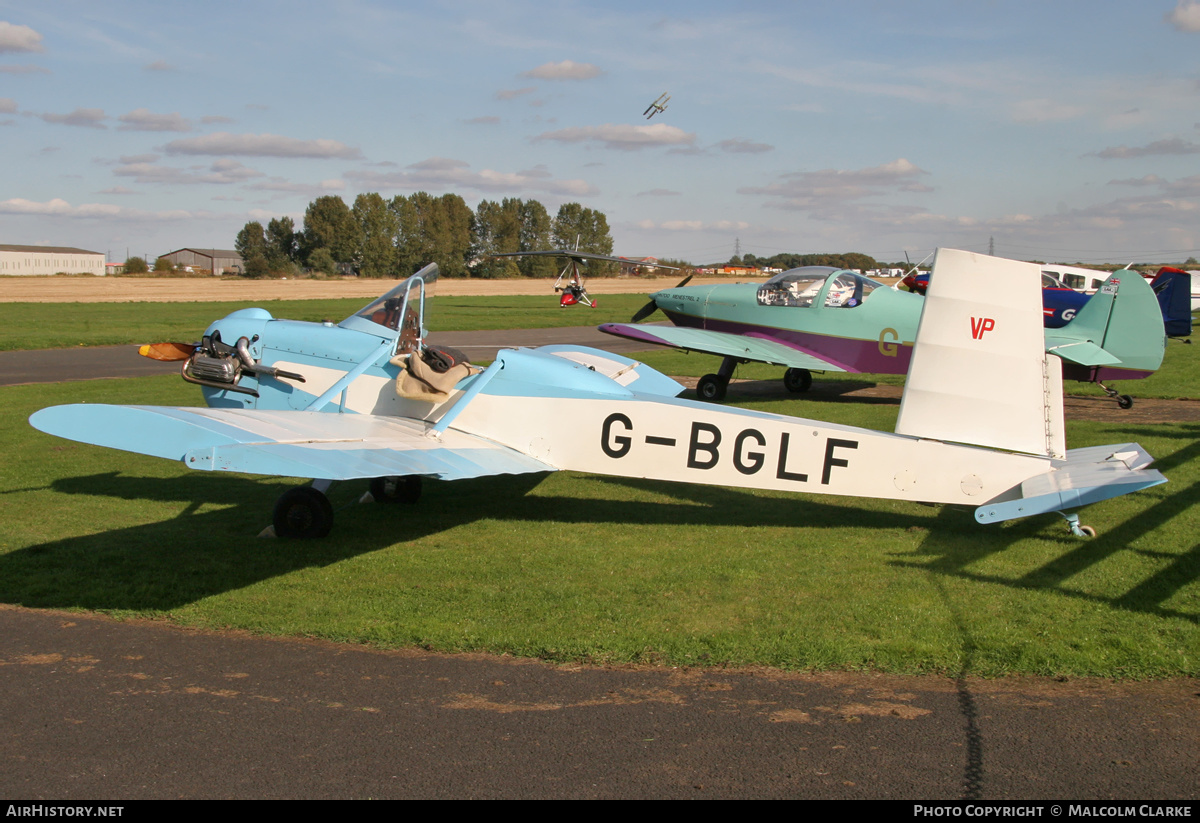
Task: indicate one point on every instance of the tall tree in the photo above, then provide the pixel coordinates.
(536, 235)
(377, 230)
(575, 223)
(282, 243)
(251, 245)
(453, 238)
(497, 231)
(329, 224)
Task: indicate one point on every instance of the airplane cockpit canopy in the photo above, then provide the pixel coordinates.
(803, 287)
(400, 309)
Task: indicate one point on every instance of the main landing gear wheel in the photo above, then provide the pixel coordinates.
(303, 513)
(797, 380)
(406, 489)
(1124, 401)
(712, 387)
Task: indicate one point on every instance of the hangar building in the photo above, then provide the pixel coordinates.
(218, 261)
(31, 260)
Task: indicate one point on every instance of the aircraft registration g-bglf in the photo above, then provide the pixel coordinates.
(981, 421)
(820, 318)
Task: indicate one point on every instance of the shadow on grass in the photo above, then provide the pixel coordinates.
(1177, 569)
(202, 552)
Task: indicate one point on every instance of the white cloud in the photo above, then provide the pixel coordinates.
(483, 121)
(19, 38)
(87, 118)
(1185, 16)
(103, 211)
(623, 137)
(658, 193)
(222, 172)
(282, 186)
(446, 174)
(817, 190)
(24, 69)
(693, 225)
(566, 70)
(1044, 110)
(8, 105)
(146, 120)
(1148, 180)
(509, 94)
(262, 145)
(1169, 145)
(739, 145)
(159, 65)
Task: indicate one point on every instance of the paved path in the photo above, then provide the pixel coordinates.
(57, 365)
(95, 708)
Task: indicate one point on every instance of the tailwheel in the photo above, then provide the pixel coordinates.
(1076, 528)
(712, 387)
(406, 489)
(797, 380)
(303, 513)
(1124, 401)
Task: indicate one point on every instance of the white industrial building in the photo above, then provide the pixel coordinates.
(33, 260)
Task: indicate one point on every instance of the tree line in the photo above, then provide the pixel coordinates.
(849, 260)
(393, 238)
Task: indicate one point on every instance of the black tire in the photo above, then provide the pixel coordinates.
(406, 489)
(303, 513)
(797, 380)
(1125, 402)
(712, 388)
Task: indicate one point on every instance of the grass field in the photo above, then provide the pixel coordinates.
(573, 567)
(65, 325)
(580, 568)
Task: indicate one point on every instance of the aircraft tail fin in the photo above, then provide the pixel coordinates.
(979, 372)
(1123, 319)
(1173, 289)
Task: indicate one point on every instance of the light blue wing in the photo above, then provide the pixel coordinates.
(286, 443)
(743, 347)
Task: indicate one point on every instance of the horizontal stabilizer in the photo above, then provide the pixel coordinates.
(1086, 476)
(1083, 352)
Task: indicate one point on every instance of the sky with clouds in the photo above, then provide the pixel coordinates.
(1065, 130)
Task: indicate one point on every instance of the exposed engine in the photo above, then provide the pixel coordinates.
(218, 365)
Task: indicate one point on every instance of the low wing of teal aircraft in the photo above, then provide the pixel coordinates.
(366, 399)
(823, 319)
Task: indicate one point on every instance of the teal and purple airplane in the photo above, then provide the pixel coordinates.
(822, 319)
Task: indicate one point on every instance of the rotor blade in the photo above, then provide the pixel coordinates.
(684, 281)
(644, 312)
(167, 351)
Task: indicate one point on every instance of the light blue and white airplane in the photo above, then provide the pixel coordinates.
(363, 399)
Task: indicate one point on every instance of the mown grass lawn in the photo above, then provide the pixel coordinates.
(575, 567)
